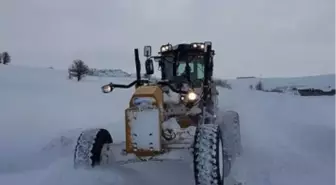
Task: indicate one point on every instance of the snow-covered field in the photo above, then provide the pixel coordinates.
(287, 140)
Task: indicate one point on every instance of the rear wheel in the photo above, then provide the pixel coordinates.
(211, 163)
(89, 147)
(229, 124)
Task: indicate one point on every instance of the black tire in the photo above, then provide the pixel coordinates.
(211, 164)
(89, 146)
(229, 124)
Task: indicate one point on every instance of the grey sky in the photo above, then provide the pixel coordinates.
(259, 37)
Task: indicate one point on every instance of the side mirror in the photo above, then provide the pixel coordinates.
(147, 51)
(149, 66)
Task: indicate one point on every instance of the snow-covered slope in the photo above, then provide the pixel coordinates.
(286, 139)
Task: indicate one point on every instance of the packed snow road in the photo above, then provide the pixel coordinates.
(286, 139)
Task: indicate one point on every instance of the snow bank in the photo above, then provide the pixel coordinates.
(38, 105)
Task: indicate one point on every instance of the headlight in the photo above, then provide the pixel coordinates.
(198, 46)
(189, 99)
(107, 88)
(192, 96)
(165, 48)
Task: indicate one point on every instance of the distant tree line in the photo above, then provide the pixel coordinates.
(316, 92)
(5, 58)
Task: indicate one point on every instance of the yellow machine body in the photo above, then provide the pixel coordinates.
(154, 93)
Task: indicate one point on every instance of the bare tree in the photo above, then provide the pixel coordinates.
(6, 59)
(78, 69)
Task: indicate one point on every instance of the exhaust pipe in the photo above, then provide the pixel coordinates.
(137, 67)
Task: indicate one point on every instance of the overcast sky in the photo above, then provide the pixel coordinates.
(251, 37)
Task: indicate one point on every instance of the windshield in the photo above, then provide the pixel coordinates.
(196, 70)
(196, 64)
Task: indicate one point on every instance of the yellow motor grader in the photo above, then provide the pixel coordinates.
(179, 111)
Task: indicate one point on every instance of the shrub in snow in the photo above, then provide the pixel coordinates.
(259, 86)
(6, 58)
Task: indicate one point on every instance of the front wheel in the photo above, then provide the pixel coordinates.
(89, 147)
(211, 163)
